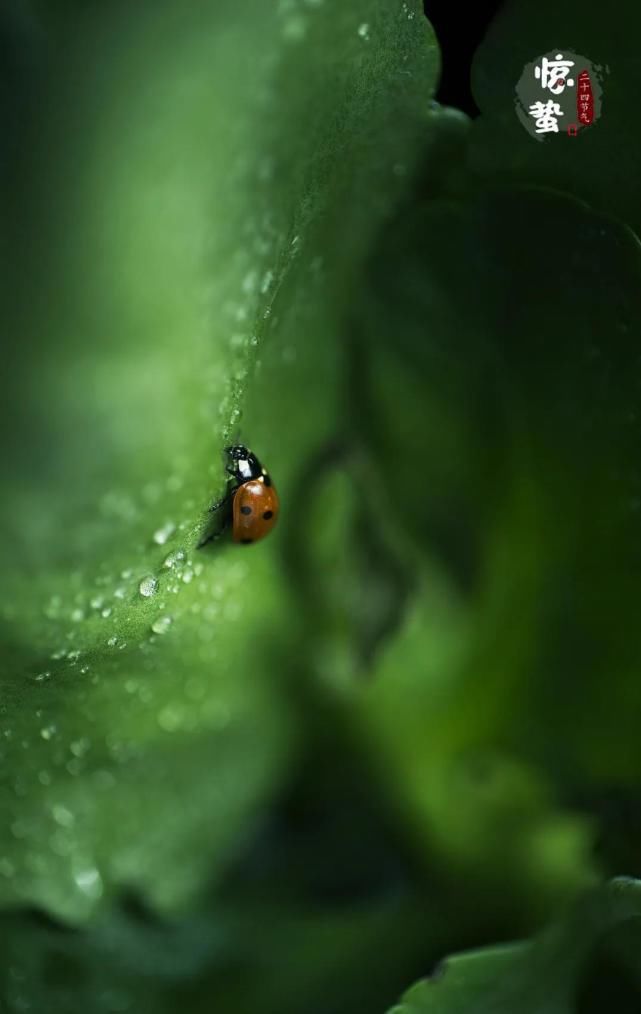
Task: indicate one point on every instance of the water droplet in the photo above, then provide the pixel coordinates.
(148, 586)
(89, 881)
(120, 592)
(53, 606)
(161, 625)
(63, 816)
(170, 718)
(295, 29)
(187, 576)
(174, 559)
(106, 612)
(152, 491)
(161, 535)
(104, 779)
(96, 602)
(125, 574)
(60, 843)
(48, 731)
(363, 30)
(112, 642)
(249, 281)
(268, 278)
(77, 615)
(42, 676)
(79, 747)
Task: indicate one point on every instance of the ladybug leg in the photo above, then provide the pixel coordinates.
(226, 500)
(219, 503)
(217, 532)
(224, 507)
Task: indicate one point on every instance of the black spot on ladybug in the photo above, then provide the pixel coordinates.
(246, 542)
(267, 480)
(245, 510)
(267, 515)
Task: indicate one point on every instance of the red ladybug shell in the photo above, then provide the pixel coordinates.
(255, 510)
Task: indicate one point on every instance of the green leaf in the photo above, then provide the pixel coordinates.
(194, 190)
(591, 959)
(511, 692)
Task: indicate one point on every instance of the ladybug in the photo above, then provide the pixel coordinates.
(251, 503)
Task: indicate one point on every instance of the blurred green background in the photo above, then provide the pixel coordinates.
(292, 777)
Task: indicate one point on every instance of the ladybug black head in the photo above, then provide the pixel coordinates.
(237, 451)
(243, 464)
